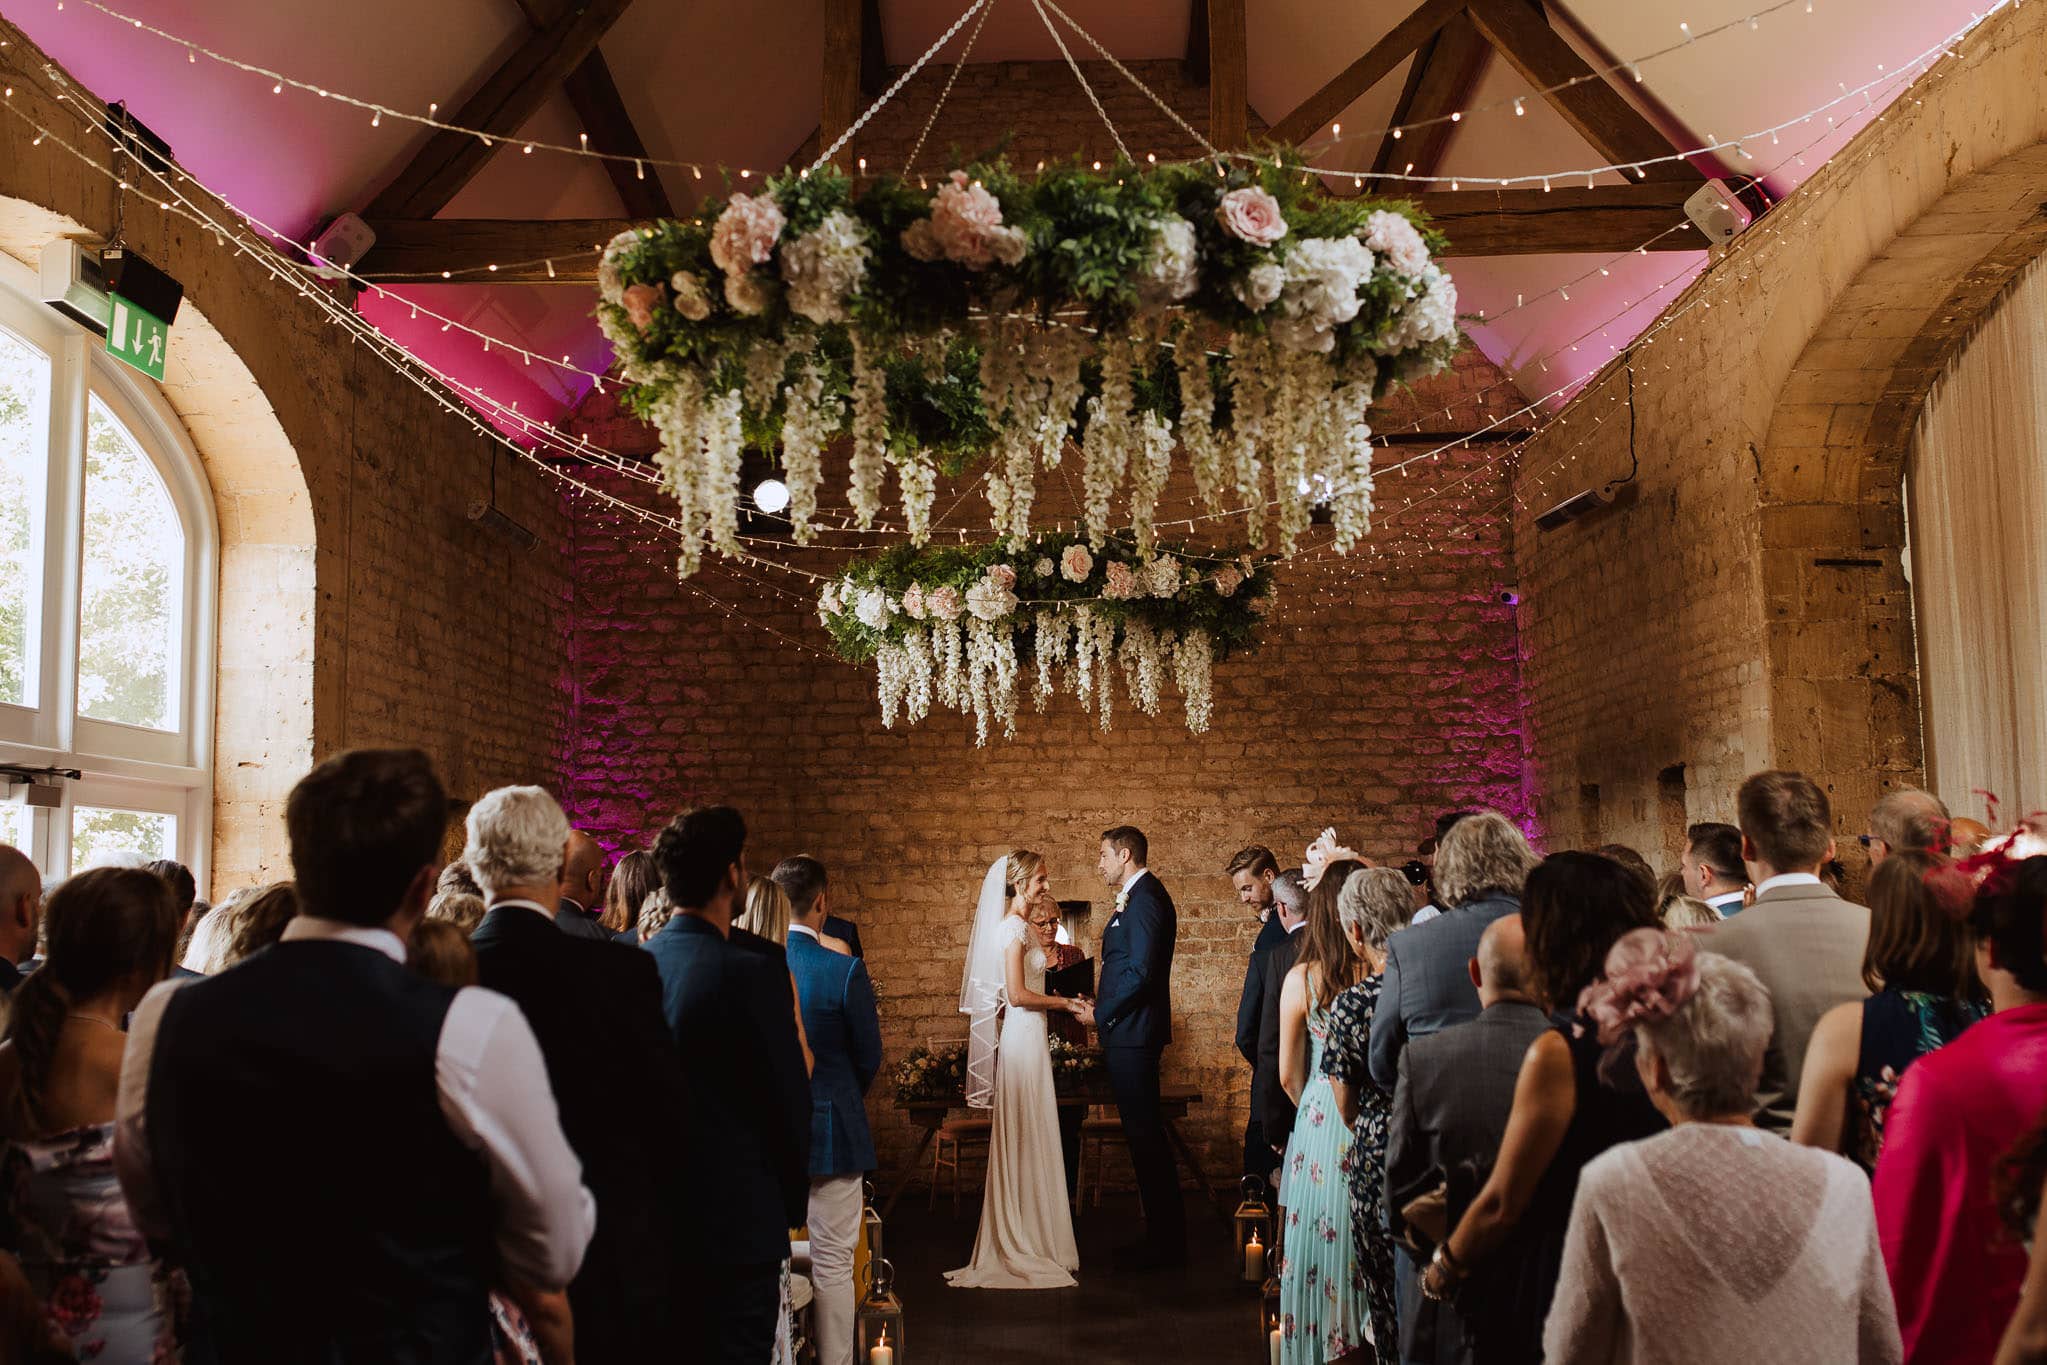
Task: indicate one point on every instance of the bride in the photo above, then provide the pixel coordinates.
(1026, 1236)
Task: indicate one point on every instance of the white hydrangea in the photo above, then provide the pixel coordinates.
(1260, 285)
(1430, 316)
(988, 600)
(873, 608)
(1172, 269)
(1321, 291)
(609, 281)
(1162, 576)
(825, 267)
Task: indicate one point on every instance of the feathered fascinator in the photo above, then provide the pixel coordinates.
(1323, 853)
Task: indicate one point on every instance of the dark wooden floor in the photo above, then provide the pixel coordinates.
(1194, 1316)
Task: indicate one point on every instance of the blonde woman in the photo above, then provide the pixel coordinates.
(767, 917)
(1025, 1239)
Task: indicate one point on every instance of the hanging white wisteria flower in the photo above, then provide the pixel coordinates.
(976, 329)
(948, 624)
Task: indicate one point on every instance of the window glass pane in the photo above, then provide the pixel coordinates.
(17, 826)
(100, 832)
(131, 602)
(24, 446)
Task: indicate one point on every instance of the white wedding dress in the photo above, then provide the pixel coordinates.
(1026, 1236)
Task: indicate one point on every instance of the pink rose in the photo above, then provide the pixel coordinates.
(1076, 564)
(640, 302)
(944, 603)
(1119, 584)
(744, 235)
(1251, 215)
(913, 602)
(1003, 575)
(966, 224)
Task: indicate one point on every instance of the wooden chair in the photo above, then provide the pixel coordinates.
(1095, 1133)
(954, 1136)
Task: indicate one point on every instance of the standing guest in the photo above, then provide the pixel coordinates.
(456, 908)
(1712, 866)
(595, 1006)
(21, 900)
(1373, 904)
(1324, 1312)
(1957, 1112)
(844, 1029)
(655, 914)
(1684, 912)
(1631, 860)
(744, 1140)
(1481, 863)
(439, 951)
(1426, 853)
(262, 922)
(1711, 1243)
(632, 881)
(414, 1155)
(1270, 965)
(1906, 821)
(111, 932)
(1802, 940)
(582, 900)
(1252, 872)
(2021, 1182)
(767, 912)
(455, 879)
(1044, 921)
(1449, 1114)
(1502, 1257)
(1922, 968)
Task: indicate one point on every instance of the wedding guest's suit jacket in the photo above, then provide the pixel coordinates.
(1134, 1007)
(1269, 1102)
(596, 1009)
(840, 1019)
(1269, 933)
(1428, 981)
(847, 931)
(745, 1135)
(1805, 943)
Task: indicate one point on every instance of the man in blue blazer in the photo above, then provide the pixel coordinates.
(1135, 1018)
(844, 1029)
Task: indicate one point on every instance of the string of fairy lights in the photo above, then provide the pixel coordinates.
(280, 268)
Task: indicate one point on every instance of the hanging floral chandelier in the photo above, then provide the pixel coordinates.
(955, 623)
(1231, 310)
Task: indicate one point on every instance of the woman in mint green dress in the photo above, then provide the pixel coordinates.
(1324, 1312)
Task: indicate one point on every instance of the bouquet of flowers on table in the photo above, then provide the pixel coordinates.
(1075, 1067)
(932, 1073)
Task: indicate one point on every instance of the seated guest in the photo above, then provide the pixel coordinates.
(1957, 1112)
(744, 1141)
(111, 932)
(1711, 1243)
(459, 909)
(1712, 866)
(1501, 1258)
(1481, 863)
(1906, 821)
(21, 901)
(1270, 1104)
(1922, 968)
(1252, 872)
(632, 881)
(1449, 1113)
(205, 951)
(1044, 921)
(595, 1006)
(582, 903)
(844, 1030)
(260, 922)
(413, 1154)
(1801, 940)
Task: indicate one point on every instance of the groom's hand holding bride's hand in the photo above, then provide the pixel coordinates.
(1082, 1009)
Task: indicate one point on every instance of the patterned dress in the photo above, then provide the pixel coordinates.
(1898, 1028)
(1350, 1030)
(62, 1209)
(1322, 1305)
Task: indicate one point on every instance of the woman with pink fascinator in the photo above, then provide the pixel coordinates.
(1715, 1241)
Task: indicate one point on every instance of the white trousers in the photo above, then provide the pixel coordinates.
(835, 1207)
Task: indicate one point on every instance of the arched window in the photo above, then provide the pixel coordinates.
(108, 562)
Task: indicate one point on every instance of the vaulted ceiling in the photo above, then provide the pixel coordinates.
(738, 83)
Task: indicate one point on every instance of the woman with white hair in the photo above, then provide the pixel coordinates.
(1714, 1241)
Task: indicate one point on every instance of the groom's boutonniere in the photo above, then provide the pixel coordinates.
(1122, 899)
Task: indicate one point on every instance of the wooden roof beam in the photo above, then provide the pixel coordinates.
(1331, 100)
(1441, 82)
(1229, 98)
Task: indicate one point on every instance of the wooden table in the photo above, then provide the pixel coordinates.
(1174, 1102)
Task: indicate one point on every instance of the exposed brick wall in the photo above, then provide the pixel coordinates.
(1750, 607)
(1386, 691)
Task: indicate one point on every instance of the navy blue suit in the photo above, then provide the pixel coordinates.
(1257, 1156)
(840, 1019)
(1134, 1014)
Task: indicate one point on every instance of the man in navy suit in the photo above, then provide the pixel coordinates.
(1252, 871)
(745, 1136)
(844, 1029)
(1135, 1018)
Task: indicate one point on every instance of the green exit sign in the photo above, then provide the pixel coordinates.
(137, 337)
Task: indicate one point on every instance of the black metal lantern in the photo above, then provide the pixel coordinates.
(1269, 1322)
(879, 1323)
(870, 1222)
(1253, 1227)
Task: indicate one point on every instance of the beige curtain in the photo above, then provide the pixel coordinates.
(1977, 490)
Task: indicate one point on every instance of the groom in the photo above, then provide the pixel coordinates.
(1134, 1014)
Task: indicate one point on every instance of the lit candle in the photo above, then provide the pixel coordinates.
(884, 1354)
(1275, 1346)
(1254, 1258)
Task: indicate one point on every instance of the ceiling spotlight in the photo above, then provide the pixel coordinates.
(771, 496)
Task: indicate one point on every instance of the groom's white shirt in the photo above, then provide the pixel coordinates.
(1123, 893)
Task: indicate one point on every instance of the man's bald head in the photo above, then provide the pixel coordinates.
(1500, 971)
(21, 899)
(582, 869)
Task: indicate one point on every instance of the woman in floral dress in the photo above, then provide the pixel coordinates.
(111, 934)
(1323, 1309)
(1373, 904)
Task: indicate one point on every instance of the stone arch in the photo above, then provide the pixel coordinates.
(1837, 614)
(263, 702)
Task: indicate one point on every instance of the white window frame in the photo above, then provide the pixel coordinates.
(124, 766)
